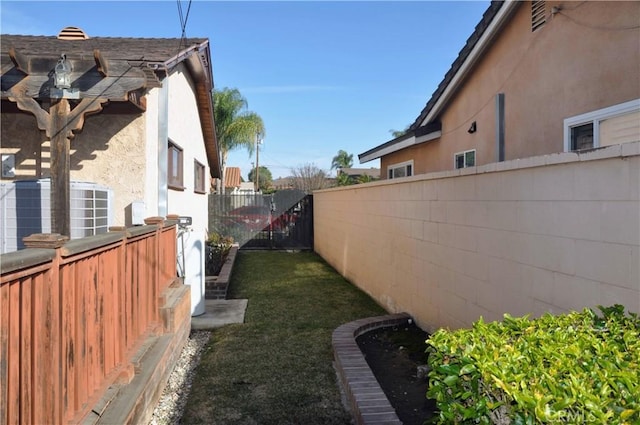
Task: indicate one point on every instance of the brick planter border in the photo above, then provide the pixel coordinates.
(368, 403)
(215, 287)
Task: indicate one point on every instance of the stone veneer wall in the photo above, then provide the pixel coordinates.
(552, 233)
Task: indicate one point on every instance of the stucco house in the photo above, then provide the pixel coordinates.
(534, 78)
(137, 120)
(359, 173)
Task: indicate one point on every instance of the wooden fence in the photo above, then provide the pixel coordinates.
(74, 313)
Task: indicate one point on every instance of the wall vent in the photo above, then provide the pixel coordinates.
(538, 14)
(72, 33)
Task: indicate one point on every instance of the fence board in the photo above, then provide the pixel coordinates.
(41, 346)
(68, 340)
(14, 356)
(4, 350)
(26, 353)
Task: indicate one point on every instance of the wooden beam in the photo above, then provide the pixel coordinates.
(138, 99)
(60, 165)
(101, 63)
(20, 62)
(122, 79)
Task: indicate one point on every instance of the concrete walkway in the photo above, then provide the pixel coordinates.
(219, 313)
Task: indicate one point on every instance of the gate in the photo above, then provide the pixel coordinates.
(281, 220)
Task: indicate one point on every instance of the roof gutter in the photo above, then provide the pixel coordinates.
(412, 137)
(474, 56)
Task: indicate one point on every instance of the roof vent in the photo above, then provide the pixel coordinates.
(72, 33)
(538, 14)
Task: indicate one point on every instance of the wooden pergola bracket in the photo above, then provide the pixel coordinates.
(20, 62)
(101, 63)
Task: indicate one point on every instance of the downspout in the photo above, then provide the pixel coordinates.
(163, 148)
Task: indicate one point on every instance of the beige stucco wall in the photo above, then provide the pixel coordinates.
(111, 151)
(581, 60)
(20, 137)
(547, 233)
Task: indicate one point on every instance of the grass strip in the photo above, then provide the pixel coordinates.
(276, 368)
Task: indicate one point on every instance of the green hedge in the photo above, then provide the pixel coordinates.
(576, 368)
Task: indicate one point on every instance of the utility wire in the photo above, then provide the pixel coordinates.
(596, 27)
(183, 23)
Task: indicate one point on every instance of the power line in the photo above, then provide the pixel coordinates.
(183, 23)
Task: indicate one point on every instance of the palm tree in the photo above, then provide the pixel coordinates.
(343, 179)
(342, 160)
(398, 133)
(235, 126)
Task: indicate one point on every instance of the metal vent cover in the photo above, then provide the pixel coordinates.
(538, 14)
(72, 33)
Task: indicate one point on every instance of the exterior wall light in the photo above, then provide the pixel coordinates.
(62, 73)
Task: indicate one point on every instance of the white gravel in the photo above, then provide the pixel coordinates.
(174, 397)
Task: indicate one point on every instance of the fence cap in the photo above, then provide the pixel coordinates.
(45, 240)
(154, 220)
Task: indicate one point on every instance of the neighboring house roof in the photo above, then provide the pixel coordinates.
(283, 182)
(247, 187)
(232, 177)
(427, 127)
(156, 57)
(372, 172)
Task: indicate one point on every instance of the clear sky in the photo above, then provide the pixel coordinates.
(324, 75)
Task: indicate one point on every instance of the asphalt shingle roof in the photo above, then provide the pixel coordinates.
(114, 48)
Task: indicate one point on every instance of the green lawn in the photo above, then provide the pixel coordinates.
(276, 368)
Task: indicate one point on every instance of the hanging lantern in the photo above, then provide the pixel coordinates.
(62, 73)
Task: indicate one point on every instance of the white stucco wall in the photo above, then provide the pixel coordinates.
(185, 131)
(151, 178)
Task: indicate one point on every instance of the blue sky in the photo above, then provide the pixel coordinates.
(324, 76)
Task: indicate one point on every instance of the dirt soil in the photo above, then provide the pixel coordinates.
(393, 354)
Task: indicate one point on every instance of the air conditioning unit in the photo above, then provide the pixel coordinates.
(25, 207)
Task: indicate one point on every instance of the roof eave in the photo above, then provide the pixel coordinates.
(402, 142)
(197, 60)
(443, 98)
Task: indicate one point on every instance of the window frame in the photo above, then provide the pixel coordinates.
(464, 156)
(199, 169)
(178, 182)
(408, 169)
(594, 118)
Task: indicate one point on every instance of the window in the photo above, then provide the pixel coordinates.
(609, 126)
(175, 167)
(465, 159)
(198, 177)
(404, 169)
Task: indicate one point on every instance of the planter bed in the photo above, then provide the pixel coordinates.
(216, 286)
